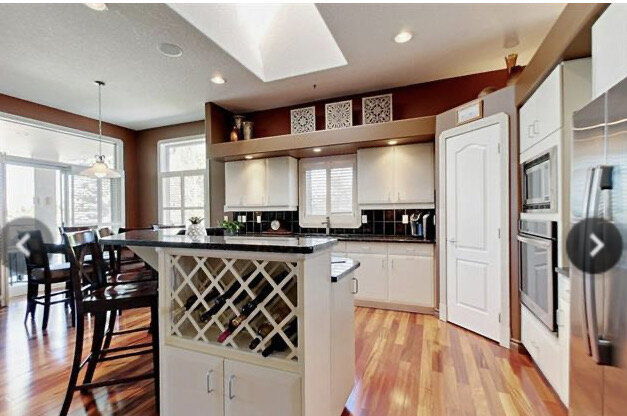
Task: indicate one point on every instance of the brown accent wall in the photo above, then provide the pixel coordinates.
(502, 101)
(411, 101)
(23, 108)
(147, 191)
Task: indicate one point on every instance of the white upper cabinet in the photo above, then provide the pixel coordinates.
(541, 115)
(261, 184)
(400, 176)
(609, 49)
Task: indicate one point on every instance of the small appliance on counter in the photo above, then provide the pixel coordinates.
(277, 228)
(423, 224)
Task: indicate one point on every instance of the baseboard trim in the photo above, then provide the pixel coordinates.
(395, 306)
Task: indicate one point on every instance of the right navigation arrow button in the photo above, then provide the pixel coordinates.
(599, 245)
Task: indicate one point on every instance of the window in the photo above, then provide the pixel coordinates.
(329, 189)
(182, 180)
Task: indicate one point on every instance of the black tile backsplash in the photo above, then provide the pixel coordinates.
(380, 222)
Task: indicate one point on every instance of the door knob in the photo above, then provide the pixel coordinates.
(452, 240)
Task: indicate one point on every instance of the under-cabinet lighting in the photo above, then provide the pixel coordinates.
(248, 157)
(392, 142)
(317, 149)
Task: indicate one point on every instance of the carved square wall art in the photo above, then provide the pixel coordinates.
(303, 120)
(338, 115)
(377, 109)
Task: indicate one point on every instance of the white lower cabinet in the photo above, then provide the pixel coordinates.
(254, 390)
(411, 280)
(394, 275)
(371, 276)
(191, 383)
(195, 383)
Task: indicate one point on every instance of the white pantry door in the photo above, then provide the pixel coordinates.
(473, 215)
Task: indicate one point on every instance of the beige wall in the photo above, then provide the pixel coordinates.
(147, 192)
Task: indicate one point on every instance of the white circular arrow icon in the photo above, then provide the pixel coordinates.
(20, 245)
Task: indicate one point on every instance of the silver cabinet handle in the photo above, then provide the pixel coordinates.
(231, 381)
(355, 286)
(210, 388)
(535, 125)
(530, 130)
(398, 196)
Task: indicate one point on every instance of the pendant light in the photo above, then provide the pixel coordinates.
(99, 168)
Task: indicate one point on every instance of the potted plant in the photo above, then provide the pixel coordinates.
(195, 230)
(231, 227)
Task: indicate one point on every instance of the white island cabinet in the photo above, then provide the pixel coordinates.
(250, 326)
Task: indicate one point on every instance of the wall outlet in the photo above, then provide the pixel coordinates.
(405, 219)
(258, 219)
(243, 218)
(226, 218)
(364, 219)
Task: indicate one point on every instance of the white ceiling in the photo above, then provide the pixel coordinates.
(51, 53)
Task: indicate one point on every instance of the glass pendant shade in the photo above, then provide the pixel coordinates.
(99, 168)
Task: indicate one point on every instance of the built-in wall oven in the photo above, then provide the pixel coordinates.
(537, 242)
(539, 182)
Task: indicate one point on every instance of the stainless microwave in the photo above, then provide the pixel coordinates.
(539, 182)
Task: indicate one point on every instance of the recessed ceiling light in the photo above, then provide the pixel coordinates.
(171, 50)
(218, 80)
(392, 142)
(248, 157)
(317, 149)
(99, 7)
(403, 37)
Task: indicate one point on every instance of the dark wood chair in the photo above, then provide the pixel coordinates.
(94, 295)
(41, 272)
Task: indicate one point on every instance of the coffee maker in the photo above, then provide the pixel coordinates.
(423, 224)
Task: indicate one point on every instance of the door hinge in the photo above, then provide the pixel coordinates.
(499, 318)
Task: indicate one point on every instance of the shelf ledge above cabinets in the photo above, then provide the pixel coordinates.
(337, 141)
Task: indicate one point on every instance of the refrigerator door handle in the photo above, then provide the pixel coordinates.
(600, 349)
(584, 305)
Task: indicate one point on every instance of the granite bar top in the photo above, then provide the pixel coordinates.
(168, 238)
(342, 267)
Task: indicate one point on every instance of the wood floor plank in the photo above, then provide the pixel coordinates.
(407, 364)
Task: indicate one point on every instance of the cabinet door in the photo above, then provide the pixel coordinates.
(281, 182)
(259, 391)
(343, 346)
(371, 276)
(548, 117)
(375, 175)
(411, 280)
(234, 184)
(191, 383)
(255, 183)
(526, 116)
(609, 49)
(414, 173)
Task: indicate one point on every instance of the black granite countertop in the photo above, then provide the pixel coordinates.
(342, 267)
(351, 237)
(168, 238)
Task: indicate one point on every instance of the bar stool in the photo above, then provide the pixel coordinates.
(93, 295)
(41, 272)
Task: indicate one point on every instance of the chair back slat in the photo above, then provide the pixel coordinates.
(78, 245)
(38, 256)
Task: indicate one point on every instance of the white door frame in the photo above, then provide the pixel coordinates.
(503, 120)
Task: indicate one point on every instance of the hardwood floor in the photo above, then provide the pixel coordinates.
(407, 364)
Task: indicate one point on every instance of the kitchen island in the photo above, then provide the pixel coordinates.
(249, 325)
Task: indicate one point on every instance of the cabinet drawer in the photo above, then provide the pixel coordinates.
(543, 346)
(366, 247)
(410, 249)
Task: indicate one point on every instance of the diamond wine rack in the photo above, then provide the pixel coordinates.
(224, 285)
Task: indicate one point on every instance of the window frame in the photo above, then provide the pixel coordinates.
(69, 169)
(161, 175)
(352, 220)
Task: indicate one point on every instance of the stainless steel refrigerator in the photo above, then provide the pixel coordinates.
(598, 344)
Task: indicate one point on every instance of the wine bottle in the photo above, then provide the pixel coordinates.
(213, 293)
(281, 310)
(219, 301)
(247, 309)
(277, 343)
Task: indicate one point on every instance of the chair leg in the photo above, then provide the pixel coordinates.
(76, 366)
(113, 316)
(47, 300)
(154, 311)
(31, 293)
(96, 346)
(72, 305)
